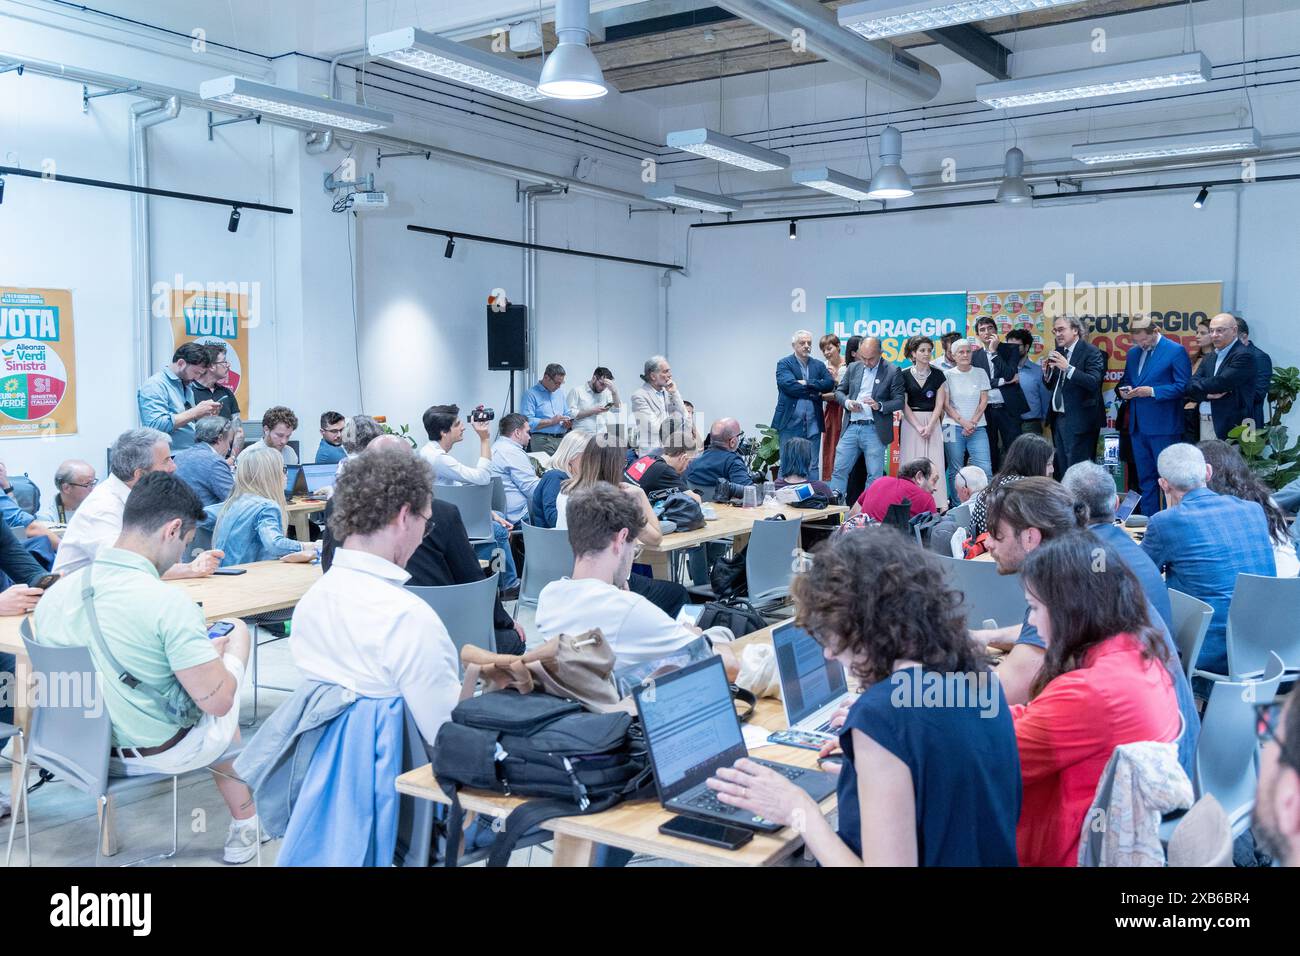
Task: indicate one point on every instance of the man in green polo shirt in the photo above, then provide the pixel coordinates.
(185, 713)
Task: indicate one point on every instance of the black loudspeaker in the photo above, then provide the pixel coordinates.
(507, 335)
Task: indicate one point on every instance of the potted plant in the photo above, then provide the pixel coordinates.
(403, 431)
(1265, 448)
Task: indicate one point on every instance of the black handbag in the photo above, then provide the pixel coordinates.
(734, 613)
(683, 511)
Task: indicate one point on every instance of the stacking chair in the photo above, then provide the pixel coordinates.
(961, 515)
(548, 556)
(498, 494)
(988, 595)
(7, 731)
(1191, 621)
(474, 502)
(1262, 622)
(466, 610)
(71, 738)
(769, 561)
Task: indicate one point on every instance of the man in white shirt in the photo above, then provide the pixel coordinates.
(592, 404)
(654, 403)
(603, 525)
(358, 626)
(278, 425)
(98, 522)
(511, 463)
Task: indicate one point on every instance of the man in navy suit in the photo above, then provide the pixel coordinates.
(1156, 374)
(1226, 381)
(1263, 371)
(801, 380)
(1073, 374)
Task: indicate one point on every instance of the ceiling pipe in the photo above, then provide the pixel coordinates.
(877, 60)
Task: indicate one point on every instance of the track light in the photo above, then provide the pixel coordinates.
(2, 190)
(794, 229)
(1203, 195)
(233, 225)
(451, 247)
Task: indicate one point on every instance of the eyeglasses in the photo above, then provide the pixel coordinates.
(222, 364)
(83, 484)
(1268, 720)
(333, 431)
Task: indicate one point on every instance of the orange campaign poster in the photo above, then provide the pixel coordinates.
(38, 384)
(1021, 309)
(208, 317)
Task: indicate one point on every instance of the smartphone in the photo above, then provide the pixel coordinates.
(706, 831)
(231, 571)
(799, 738)
(220, 629)
(47, 581)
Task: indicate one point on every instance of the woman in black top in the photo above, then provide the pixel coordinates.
(921, 434)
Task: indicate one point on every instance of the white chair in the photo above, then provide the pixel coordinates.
(1191, 621)
(988, 595)
(548, 556)
(474, 502)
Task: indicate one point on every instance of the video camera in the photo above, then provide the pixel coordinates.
(482, 414)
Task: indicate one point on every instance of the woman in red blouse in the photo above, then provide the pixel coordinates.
(1103, 683)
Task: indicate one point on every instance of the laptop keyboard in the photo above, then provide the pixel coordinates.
(705, 800)
(785, 770)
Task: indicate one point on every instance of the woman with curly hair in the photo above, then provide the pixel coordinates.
(930, 776)
(1230, 475)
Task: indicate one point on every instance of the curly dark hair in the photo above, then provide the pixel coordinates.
(371, 491)
(914, 343)
(279, 415)
(1090, 595)
(1230, 475)
(881, 598)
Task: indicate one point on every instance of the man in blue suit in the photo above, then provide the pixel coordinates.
(1203, 540)
(1155, 377)
(801, 380)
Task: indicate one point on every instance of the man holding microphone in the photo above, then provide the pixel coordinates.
(1156, 374)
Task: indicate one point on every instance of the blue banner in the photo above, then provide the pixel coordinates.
(896, 318)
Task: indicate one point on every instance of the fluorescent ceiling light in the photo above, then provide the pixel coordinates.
(876, 19)
(832, 181)
(1157, 147)
(727, 149)
(692, 198)
(459, 62)
(1114, 78)
(264, 98)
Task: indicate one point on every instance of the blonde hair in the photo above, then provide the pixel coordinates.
(570, 447)
(260, 472)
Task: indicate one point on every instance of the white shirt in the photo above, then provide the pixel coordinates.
(517, 474)
(1219, 355)
(562, 511)
(650, 409)
(287, 453)
(864, 393)
(636, 629)
(96, 524)
(964, 392)
(450, 470)
(581, 398)
(358, 627)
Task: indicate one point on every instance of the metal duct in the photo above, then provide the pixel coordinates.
(874, 59)
(144, 114)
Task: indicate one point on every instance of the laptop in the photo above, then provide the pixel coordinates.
(691, 730)
(1127, 507)
(293, 482)
(319, 477)
(812, 688)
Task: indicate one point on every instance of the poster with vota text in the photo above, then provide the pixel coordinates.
(38, 387)
(896, 318)
(216, 317)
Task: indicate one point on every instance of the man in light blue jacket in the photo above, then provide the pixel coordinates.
(166, 401)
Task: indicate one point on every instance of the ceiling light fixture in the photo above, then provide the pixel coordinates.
(891, 180)
(571, 71)
(451, 247)
(1201, 197)
(1160, 147)
(264, 98)
(1109, 80)
(728, 149)
(876, 19)
(1013, 188)
(691, 198)
(794, 229)
(458, 62)
(832, 181)
(233, 224)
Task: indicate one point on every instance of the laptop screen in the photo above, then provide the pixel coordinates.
(319, 476)
(690, 725)
(291, 473)
(808, 680)
(1127, 506)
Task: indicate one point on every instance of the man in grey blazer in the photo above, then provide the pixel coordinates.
(871, 392)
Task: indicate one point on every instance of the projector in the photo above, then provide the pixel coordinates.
(368, 200)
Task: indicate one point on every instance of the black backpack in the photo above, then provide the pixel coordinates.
(734, 613)
(536, 745)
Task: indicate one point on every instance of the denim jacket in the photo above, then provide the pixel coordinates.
(250, 531)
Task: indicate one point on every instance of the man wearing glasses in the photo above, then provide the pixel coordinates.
(73, 480)
(331, 450)
(209, 387)
(1277, 804)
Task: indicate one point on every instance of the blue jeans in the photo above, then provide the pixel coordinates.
(815, 463)
(859, 439)
(509, 574)
(957, 446)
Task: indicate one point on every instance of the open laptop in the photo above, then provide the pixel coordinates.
(319, 477)
(812, 687)
(691, 730)
(1127, 507)
(293, 481)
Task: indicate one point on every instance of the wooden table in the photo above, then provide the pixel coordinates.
(267, 586)
(299, 509)
(634, 825)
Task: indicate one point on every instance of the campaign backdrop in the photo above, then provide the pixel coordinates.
(38, 384)
(208, 317)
